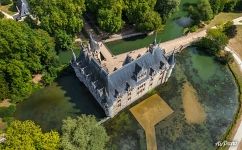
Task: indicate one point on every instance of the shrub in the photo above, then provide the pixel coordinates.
(229, 29)
(1, 15)
(5, 2)
(7, 111)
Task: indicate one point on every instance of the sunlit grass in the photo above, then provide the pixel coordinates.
(9, 9)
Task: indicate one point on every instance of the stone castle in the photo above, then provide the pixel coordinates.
(117, 81)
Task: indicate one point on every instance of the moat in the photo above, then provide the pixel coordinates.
(216, 94)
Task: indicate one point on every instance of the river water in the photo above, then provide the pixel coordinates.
(215, 89)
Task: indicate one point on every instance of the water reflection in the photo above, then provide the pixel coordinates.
(49, 106)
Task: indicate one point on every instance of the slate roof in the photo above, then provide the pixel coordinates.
(23, 8)
(150, 61)
(123, 79)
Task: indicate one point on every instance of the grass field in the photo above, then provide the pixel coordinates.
(223, 18)
(148, 113)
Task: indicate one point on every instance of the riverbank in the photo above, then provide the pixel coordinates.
(234, 68)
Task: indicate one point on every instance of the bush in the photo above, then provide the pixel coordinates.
(225, 57)
(229, 29)
(7, 111)
(5, 2)
(1, 15)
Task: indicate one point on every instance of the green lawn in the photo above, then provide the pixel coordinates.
(223, 18)
(66, 56)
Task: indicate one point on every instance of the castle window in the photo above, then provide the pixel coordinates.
(129, 98)
(119, 105)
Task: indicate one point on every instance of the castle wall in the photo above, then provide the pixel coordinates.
(87, 82)
(131, 96)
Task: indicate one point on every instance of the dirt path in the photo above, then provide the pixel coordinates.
(7, 15)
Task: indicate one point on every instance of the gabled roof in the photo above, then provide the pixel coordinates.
(118, 79)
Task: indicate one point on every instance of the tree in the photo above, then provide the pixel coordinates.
(63, 15)
(230, 29)
(141, 14)
(23, 53)
(110, 18)
(166, 8)
(4, 90)
(230, 5)
(63, 41)
(27, 135)
(5, 2)
(205, 10)
(214, 42)
(1, 15)
(150, 22)
(223, 5)
(83, 133)
(201, 11)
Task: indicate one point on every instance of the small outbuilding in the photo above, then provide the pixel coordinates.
(23, 9)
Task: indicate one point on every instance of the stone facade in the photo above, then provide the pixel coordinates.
(118, 89)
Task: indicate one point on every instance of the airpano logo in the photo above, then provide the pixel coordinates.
(226, 143)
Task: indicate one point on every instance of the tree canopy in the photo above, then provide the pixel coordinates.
(83, 133)
(166, 8)
(23, 53)
(57, 15)
(113, 14)
(215, 41)
(27, 135)
(110, 16)
(214, 44)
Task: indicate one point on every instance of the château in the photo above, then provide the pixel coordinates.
(117, 81)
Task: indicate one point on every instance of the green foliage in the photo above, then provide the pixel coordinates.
(4, 90)
(110, 16)
(201, 11)
(214, 42)
(238, 6)
(28, 136)
(150, 22)
(83, 133)
(1, 15)
(230, 29)
(59, 15)
(166, 8)
(230, 5)
(63, 41)
(223, 5)
(24, 52)
(7, 111)
(5, 2)
(142, 14)
(225, 57)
